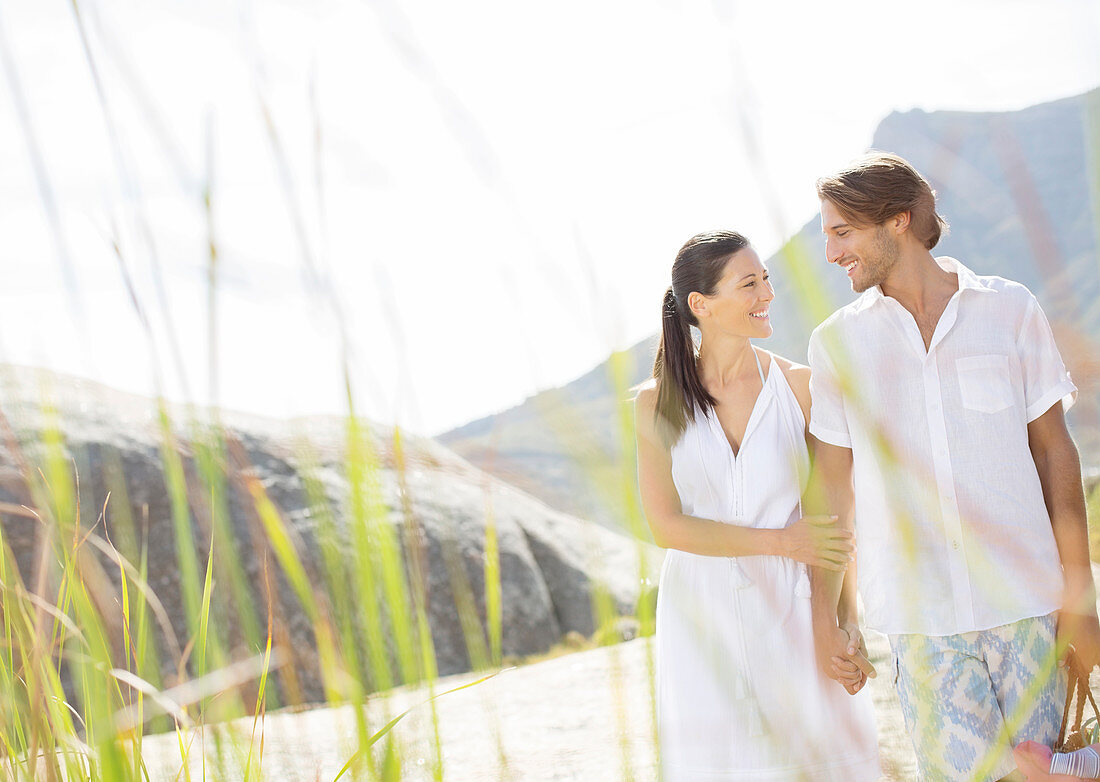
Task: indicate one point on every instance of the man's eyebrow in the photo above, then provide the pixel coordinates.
(838, 226)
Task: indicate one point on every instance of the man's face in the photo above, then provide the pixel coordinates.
(867, 254)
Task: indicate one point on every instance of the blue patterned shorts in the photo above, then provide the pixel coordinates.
(968, 699)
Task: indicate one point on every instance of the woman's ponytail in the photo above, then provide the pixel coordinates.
(679, 389)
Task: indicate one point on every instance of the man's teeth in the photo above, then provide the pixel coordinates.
(849, 266)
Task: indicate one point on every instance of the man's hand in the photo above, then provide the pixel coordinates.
(1082, 631)
(842, 656)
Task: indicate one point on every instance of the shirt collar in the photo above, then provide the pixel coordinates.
(968, 280)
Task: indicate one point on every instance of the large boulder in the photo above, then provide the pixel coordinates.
(420, 496)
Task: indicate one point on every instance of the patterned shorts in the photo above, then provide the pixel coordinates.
(968, 699)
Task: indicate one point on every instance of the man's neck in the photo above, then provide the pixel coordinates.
(920, 284)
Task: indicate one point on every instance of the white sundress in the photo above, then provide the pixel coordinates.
(739, 696)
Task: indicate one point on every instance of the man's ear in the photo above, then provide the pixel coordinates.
(900, 222)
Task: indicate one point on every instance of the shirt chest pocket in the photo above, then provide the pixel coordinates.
(984, 383)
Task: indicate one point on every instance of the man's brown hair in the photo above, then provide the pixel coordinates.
(880, 185)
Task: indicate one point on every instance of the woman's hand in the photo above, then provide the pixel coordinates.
(818, 541)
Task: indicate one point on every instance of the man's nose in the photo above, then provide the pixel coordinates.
(832, 252)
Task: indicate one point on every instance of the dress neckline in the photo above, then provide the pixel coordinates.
(754, 414)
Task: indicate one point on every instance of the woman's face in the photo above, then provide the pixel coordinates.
(739, 306)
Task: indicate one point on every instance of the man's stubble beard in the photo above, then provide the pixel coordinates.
(879, 263)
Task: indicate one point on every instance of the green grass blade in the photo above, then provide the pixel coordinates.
(393, 722)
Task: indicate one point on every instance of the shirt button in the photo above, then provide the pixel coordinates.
(955, 544)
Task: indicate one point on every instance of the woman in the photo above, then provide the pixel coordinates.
(722, 461)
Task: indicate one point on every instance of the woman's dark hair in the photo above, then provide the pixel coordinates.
(698, 267)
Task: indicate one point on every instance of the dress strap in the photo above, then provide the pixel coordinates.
(759, 368)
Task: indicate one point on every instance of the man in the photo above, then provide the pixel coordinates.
(938, 395)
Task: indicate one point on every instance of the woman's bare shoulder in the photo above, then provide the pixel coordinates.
(648, 425)
(798, 376)
(792, 369)
(645, 395)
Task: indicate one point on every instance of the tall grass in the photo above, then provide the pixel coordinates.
(86, 669)
(330, 606)
(91, 659)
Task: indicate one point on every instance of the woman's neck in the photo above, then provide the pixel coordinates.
(725, 359)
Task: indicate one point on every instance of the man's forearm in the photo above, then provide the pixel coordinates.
(825, 591)
(1060, 474)
(1058, 466)
(846, 610)
(1059, 469)
(830, 492)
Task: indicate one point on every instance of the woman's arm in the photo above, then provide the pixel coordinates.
(814, 540)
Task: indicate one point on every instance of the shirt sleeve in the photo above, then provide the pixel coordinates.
(828, 421)
(1045, 378)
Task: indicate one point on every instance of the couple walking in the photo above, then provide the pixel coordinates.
(930, 423)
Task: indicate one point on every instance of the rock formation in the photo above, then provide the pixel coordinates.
(423, 496)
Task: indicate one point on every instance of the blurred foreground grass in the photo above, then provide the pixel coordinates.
(91, 663)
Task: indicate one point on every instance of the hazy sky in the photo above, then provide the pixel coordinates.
(478, 199)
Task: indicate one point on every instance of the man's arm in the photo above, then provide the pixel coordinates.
(1059, 468)
(833, 594)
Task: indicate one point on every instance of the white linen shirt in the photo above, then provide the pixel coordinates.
(951, 525)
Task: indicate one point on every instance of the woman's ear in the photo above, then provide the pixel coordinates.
(697, 303)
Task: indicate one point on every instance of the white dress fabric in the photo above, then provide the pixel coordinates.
(739, 696)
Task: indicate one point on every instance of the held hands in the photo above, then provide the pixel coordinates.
(842, 656)
(818, 541)
(854, 669)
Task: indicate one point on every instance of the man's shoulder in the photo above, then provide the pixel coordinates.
(989, 282)
(1010, 294)
(841, 328)
(846, 316)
